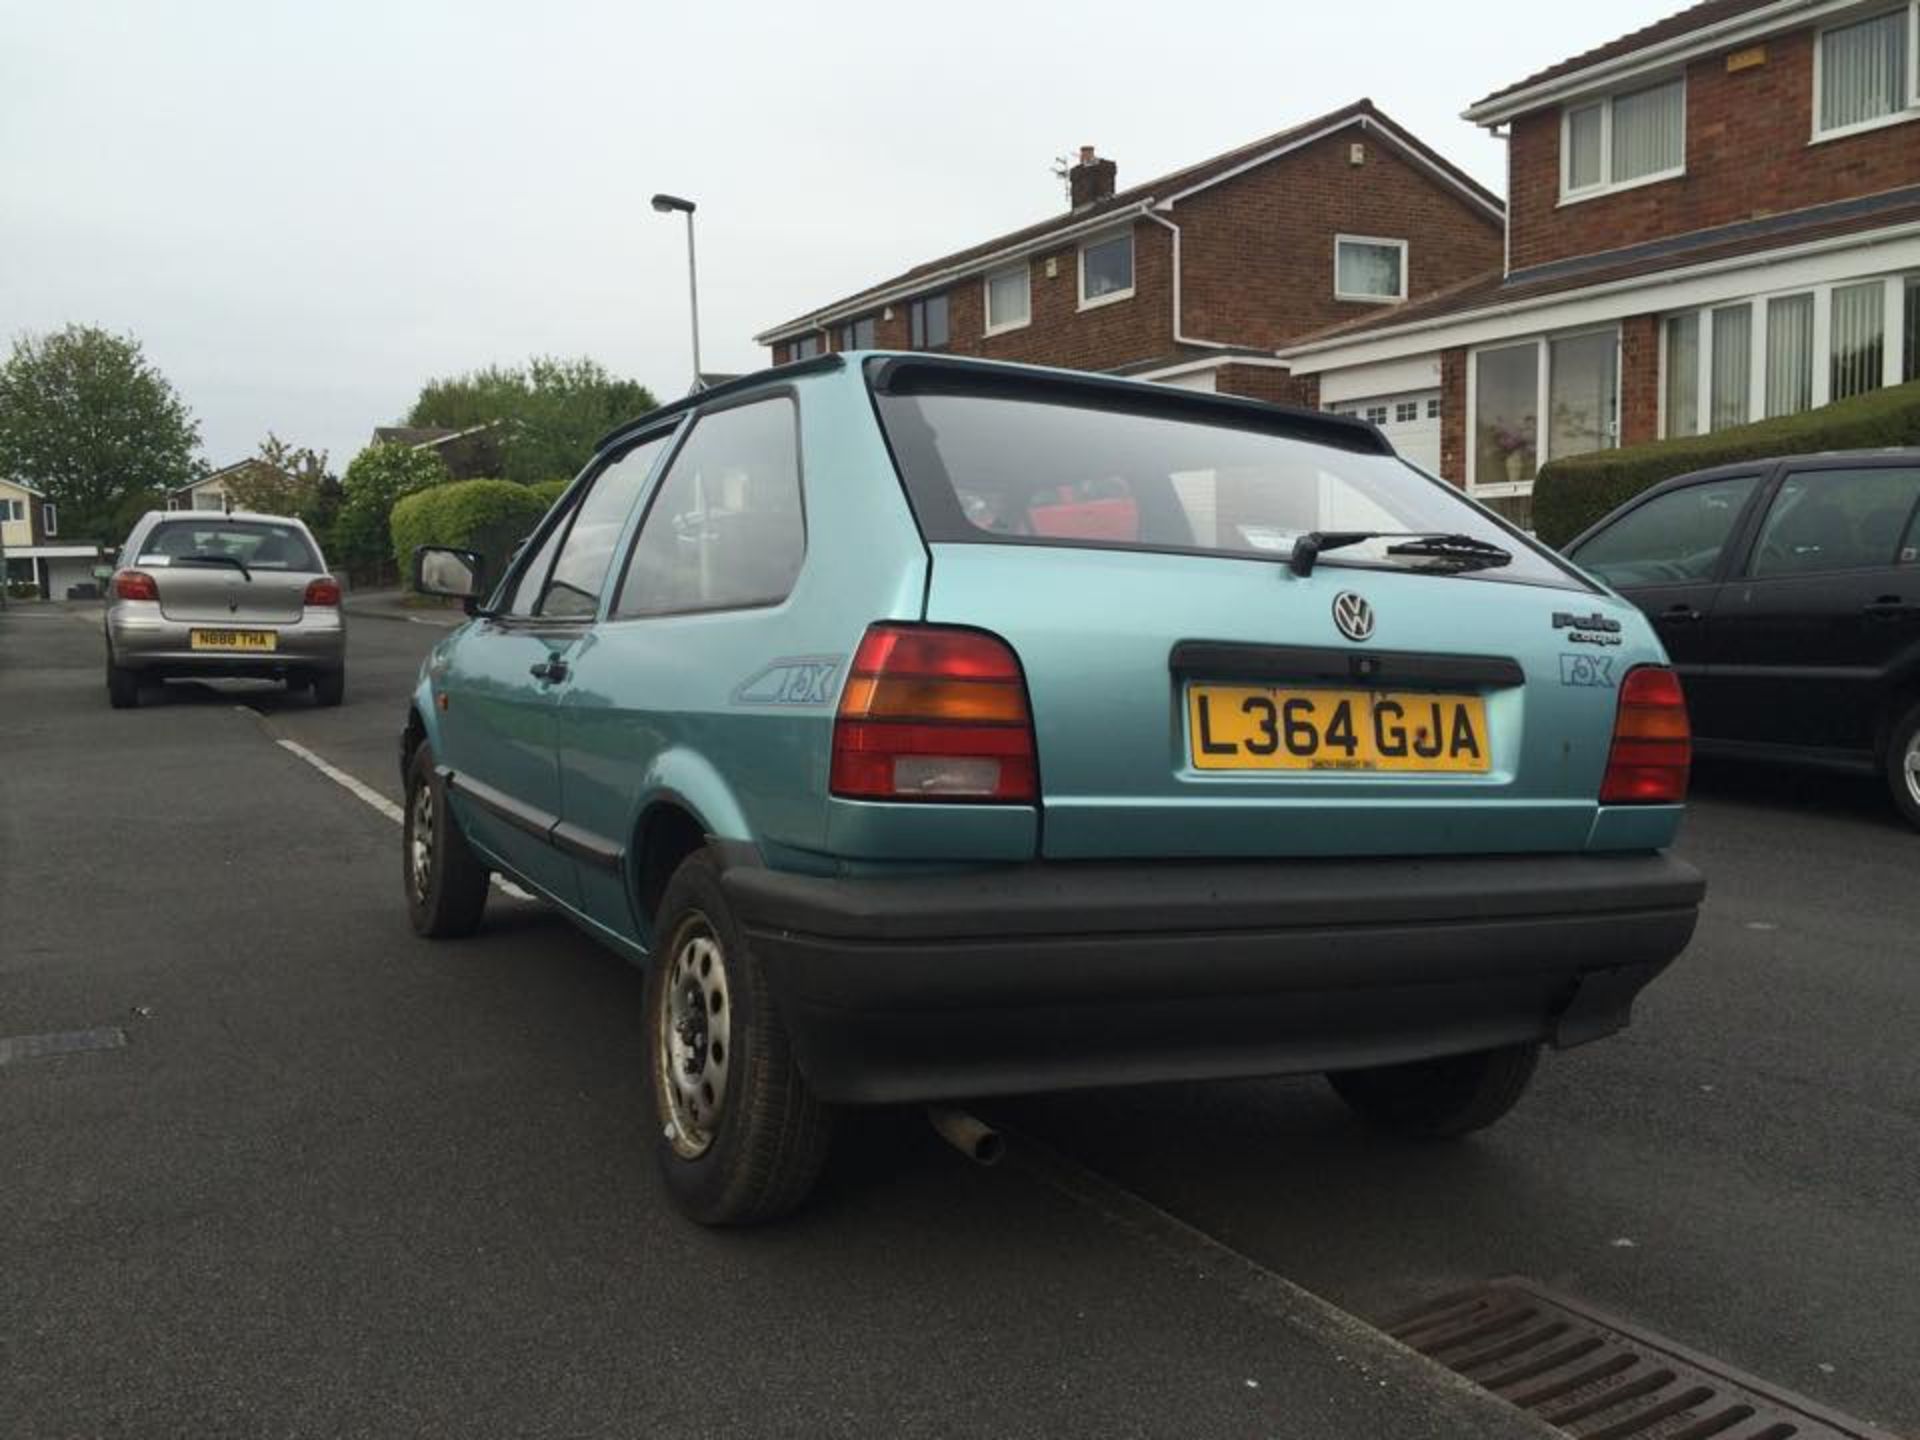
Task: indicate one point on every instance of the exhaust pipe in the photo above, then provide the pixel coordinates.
(968, 1134)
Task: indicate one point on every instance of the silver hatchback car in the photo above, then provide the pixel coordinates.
(202, 593)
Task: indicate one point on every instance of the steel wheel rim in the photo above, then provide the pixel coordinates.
(1912, 767)
(695, 1041)
(420, 842)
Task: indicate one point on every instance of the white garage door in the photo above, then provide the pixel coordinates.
(1411, 423)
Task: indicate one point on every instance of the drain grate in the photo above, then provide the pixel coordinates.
(1595, 1378)
(64, 1042)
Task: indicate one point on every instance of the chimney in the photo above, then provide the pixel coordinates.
(1091, 180)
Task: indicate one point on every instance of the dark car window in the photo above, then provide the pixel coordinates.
(1836, 520)
(533, 579)
(257, 544)
(1910, 543)
(725, 529)
(1672, 538)
(594, 529)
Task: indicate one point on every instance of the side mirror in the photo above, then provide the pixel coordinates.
(456, 574)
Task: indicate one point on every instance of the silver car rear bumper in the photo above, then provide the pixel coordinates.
(141, 638)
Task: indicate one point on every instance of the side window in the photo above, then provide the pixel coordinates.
(1672, 539)
(533, 579)
(1836, 520)
(1910, 545)
(573, 592)
(725, 528)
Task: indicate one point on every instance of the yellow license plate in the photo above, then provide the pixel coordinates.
(1262, 727)
(234, 640)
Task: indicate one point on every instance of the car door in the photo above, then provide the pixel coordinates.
(1668, 555)
(1822, 610)
(698, 666)
(507, 672)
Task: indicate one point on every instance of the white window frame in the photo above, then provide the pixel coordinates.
(1025, 270)
(49, 519)
(1400, 245)
(12, 511)
(1607, 185)
(1880, 122)
(1543, 389)
(1892, 341)
(1112, 297)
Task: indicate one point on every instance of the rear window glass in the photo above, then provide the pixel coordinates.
(1007, 469)
(256, 544)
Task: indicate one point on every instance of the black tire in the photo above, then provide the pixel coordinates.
(1439, 1099)
(123, 686)
(765, 1149)
(330, 686)
(1903, 778)
(447, 888)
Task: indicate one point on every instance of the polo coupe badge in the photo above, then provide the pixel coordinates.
(1353, 615)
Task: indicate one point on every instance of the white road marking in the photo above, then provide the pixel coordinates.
(361, 790)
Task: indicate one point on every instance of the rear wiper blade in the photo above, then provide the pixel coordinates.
(1307, 548)
(232, 560)
(1462, 552)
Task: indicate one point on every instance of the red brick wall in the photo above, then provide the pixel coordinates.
(1258, 263)
(1747, 156)
(1453, 415)
(1269, 383)
(1639, 379)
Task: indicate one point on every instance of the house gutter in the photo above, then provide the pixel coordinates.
(1179, 336)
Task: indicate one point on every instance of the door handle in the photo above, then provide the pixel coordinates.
(1888, 607)
(1681, 614)
(552, 671)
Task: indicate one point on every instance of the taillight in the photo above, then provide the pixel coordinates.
(135, 585)
(934, 714)
(1652, 744)
(324, 591)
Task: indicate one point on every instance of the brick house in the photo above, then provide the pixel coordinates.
(1711, 220)
(1196, 277)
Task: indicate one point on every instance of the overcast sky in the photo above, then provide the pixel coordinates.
(306, 209)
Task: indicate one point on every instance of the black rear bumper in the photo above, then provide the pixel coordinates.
(1062, 975)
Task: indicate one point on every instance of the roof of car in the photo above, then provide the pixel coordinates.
(1315, 424)
(227, 515)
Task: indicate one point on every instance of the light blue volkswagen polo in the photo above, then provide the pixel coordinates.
(935, 728)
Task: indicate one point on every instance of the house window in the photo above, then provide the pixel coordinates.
(1682, 397)
(1506, 408)
(1732, 367)
(1106, 270)
(1583, 383)
(1863, 74)
(806, 347)
(1789, 354)
(13, 510)
(1859, 339)
(927, 323)
(1009, 301)
(1542, 400)
(1624, 140)
(49, 520)
(1910, 367)
(1365, 268)
(857, 334)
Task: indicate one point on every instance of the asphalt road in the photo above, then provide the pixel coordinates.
(340, 1181)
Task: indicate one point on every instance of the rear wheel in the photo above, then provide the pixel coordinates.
(1903, 765)
(1437, 1099)
(446, 883)
(330, 687)
(123, 686)
(738, 1135)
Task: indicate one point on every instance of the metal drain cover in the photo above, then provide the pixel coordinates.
(1596, 1378)
(64, 1042)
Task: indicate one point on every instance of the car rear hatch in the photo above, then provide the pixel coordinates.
(1192, 702)
(218, 594)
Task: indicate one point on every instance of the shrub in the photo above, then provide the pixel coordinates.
(375, 481)
(549, 490)
(1571, 494)
(490, 516)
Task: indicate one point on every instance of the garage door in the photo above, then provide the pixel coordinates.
(1411, 422)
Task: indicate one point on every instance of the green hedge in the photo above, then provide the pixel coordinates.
(490, 516)
(549, 490)
(1571, 494)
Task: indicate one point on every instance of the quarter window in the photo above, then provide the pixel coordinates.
(1624, 139)
(1106, 270)
(1864, 73)
(927, 323)
(1836, 520)
(725, 528)
(1672, 538)
(1368, 269)
(1009, 301)
(573, 591)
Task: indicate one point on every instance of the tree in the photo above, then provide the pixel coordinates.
(549, 414)
(282, 479)
(378, 476)
(85, 417)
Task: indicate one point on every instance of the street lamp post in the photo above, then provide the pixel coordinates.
(666, 205)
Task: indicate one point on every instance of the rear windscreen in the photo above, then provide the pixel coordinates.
(256, 544)
(1004, 468)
